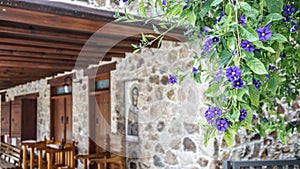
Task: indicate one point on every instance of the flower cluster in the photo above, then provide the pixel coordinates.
(288, 12)
(213, 117)
(233, 74)
(252, 44)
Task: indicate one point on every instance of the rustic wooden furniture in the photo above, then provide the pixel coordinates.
(61, 110)
(60, 156)
(87, 157)
(290, 164)
(33, 153)
(10, 156)
(115, 156)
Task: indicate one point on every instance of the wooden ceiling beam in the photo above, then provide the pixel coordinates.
(80, 25)
(58, 67)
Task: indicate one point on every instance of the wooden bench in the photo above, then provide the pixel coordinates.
(259, 164)
(11, 156)
(113, 155)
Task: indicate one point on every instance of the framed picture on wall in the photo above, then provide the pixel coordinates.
(132, 91)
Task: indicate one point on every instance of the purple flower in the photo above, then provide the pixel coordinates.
(294, 27)
(233, 73)
(294, 122)
(207, 45)
(228, 121)
(212, 113)
(256, 83)
(221, 124)
(209, 116)
(242, 20)
(164, 2)
(269, 25)
(233, 53)
(283, 55)
(238, 83)
(243, 114)
(216, 111)
(219, 75)
(267, 77)
(246, 45)
(172, 79)
(286, 19)
(253, 116)
(221, 16)
(216, 39)
(206, 29)
(264, 33)
(265, 120)
(124, 1)
(288, 10)
(272, 67)
(186, 6)
(195, 70)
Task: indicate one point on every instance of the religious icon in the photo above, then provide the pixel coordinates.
(132, 111)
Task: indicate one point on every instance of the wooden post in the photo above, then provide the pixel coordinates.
(24, 157)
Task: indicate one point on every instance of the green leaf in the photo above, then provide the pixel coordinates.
(275, 16)
(228, 137)
(274, 6)
(260, 45)
(278, 37)
(155, 29)
(274, 82)
(176, 10)
(225, 56)
(210, 132)
(256, 65)
(159, 41)
(216, 2)
(192, 18)
(213, 91)
(249, 33)
(205, 9)
(142, 8)
(254, 95)
(241, 92)
(248, 10)
(231, 43)
(136, 51)
(228, 9)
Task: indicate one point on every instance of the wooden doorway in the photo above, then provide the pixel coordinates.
(61, 109)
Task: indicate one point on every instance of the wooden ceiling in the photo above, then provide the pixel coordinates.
(41, 39)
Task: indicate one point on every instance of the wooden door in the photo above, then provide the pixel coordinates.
(62, 113)
(99, 120)
(16, 121)
(5, 118)
(59, 118)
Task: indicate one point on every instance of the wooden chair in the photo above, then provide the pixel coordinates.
(60, 157)
(114, 154)
(34, 154)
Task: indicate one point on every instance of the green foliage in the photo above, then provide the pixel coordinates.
(262, 85)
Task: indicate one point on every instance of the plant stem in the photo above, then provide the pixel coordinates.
(238, 35)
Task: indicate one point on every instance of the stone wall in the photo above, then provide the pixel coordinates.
(169, 135)
(168, 116)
